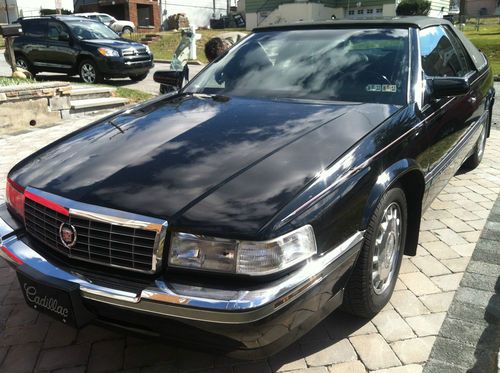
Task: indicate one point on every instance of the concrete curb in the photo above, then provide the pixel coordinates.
(469, 339)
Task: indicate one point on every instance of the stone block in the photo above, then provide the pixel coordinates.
(438, 302)
(425, 325)
(414, 350)
(448, 282)
(392, 326)
(430, 266)
(418, 283)
(319, 355)
(59, 103)
(374, 351)
(407, 304)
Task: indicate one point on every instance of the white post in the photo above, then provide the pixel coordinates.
(192, 48)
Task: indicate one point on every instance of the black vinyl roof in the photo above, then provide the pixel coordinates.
(397, 22)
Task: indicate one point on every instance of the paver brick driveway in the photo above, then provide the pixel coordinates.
(399, 339)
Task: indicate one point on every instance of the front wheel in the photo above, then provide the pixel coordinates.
(89, 72)
(138, 78)
(127, 30)
(375, 273)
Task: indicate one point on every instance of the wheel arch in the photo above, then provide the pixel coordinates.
(82, 57)
(408, 174)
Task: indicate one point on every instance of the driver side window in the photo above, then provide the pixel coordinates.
(439, 56)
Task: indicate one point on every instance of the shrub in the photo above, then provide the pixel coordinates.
(413, 8)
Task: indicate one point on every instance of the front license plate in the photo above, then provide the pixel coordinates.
(51, 296)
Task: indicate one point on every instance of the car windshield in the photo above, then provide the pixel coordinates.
(85, 30)
(368, 65)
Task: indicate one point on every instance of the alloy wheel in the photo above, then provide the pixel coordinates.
(387, 248)
(21, 62)
(88, 73)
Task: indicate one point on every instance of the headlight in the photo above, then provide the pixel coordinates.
(108, 52)
(147, 49)
(242, 257)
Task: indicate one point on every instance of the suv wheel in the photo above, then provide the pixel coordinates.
(23, 63)
(127, 30)
(89, 72)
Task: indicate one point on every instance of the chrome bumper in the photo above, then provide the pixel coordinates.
(183, 301)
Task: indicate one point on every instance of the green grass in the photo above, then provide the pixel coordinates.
(133, 94)
(488, 40)
(164, 48)
(6, 81)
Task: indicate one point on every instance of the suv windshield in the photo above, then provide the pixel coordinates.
(368, 65)
(84, 30)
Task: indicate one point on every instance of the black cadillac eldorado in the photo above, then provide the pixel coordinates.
(286, 179)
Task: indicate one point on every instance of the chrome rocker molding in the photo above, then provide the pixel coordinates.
(190, 302)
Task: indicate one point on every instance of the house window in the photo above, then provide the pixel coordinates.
(360, 11)
(369, 11)
(379, 10)
(144, 15)
(351, 12)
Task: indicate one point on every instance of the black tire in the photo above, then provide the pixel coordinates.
(362, 297)
(475, 158)
(89, 73)
(23, 63)
(138, 78)
(127, 30)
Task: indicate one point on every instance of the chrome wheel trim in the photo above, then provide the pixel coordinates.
(87, 71)
(387, 248)
(22, 63)
(481, 143)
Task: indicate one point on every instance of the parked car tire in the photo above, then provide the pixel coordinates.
(23, 63)
(475, 159)
(127, 30)
(138, 78)
(89, 72)
(376, 271)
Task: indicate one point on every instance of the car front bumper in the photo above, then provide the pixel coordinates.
(117, 67)
(247, 323)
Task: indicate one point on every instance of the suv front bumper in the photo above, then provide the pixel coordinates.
(248, 322)
(117, 67)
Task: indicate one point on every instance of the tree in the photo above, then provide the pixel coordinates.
(413, 8)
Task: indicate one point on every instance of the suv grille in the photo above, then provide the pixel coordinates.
(97, 242)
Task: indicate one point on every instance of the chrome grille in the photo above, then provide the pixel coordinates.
(97, 242)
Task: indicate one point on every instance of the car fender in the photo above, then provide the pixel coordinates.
(386, 179)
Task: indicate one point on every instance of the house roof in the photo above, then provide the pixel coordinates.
(399, 22)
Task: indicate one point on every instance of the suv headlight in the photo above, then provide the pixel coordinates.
(108, 52)
(147, 49)
(242, 257)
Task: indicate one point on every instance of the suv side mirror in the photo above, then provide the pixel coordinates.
(63, 36)
(445, 87)
(170, 78)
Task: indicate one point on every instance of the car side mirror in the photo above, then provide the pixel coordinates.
(449, 86)
(170, 78)
(63, 36)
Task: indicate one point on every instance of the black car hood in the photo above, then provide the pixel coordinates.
(201, 163)
(114, 43)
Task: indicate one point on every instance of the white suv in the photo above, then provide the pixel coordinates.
(116, 25)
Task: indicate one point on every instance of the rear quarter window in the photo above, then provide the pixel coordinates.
(35, 28)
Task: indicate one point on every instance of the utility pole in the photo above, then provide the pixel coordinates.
(214, 10)
(228, 7)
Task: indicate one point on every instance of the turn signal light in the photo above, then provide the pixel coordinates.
(15, 198)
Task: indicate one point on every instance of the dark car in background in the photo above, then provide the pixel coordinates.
(280, 183)
(76, 45)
